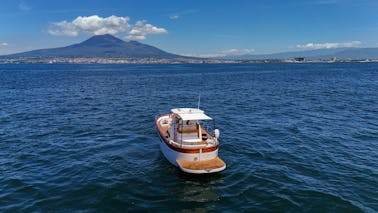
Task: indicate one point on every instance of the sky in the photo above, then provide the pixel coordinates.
(192, 27)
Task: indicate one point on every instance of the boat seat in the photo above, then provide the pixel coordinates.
(190, 133)
(192, 140)
(185, 131)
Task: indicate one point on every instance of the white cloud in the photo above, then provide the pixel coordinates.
(98, 25)
(182, 13)
(109, 25)
(24, 7)
(204, 55)
(63, 28)
(4, 44)
(238, 52)
(90, 24)
(174, 17)
(141, 29)
(329, 45)
(230, 52)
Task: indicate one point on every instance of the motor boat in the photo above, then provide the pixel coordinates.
(187, 142)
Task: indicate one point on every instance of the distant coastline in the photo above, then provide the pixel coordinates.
(60, 60)
(107, 49)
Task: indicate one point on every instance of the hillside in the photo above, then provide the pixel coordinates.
(99, 46)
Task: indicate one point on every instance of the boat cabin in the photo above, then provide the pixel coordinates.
(186, 127)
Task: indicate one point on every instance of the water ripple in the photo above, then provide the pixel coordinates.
(296, 137)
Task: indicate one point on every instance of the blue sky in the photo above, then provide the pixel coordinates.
(199, 28)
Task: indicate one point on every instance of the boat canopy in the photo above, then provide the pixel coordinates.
(190, 114)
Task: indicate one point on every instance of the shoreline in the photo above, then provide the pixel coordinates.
(166, 61)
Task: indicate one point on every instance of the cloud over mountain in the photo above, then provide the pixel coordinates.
(141, 29)
(97, 25)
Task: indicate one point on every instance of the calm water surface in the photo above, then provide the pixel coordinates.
(295, 137)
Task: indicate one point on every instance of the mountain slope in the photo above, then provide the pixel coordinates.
(357, 53)
(100, 46)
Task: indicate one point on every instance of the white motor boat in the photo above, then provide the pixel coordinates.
(187, 143)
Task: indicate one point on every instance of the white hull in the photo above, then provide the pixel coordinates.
(172, 156)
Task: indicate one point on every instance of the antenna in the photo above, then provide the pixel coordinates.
(199, 100)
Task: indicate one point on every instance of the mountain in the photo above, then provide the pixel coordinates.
(357, 53)
(339, 53)
(99, 46)
(108, 46)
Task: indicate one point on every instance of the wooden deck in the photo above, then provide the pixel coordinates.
(215, 163)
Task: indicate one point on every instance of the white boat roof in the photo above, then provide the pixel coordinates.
(190, 114)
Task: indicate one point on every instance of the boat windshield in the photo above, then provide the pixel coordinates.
(208, 125)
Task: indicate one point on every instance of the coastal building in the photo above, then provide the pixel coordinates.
(299, 59)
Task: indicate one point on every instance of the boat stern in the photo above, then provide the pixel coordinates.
(201, 167)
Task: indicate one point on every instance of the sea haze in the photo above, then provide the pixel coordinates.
(295, 137)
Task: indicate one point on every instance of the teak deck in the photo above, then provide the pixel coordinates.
(202, 165)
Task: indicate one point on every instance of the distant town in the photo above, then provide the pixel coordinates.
(62, 60)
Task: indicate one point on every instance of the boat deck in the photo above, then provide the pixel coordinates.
(164, 132)
(206, 165)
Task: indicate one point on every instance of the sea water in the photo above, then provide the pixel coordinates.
(295, 137)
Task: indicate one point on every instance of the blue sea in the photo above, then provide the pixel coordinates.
(296, 137)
